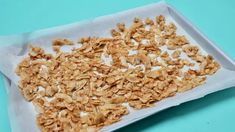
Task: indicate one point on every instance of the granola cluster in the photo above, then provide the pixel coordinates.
(80, 91)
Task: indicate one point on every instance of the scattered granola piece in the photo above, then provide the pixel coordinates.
(121, 27)
(57, 43)
(190, 50)
(176, 54)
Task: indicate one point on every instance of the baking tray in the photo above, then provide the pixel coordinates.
(22, 113)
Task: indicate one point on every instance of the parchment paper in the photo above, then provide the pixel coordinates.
(22, 113)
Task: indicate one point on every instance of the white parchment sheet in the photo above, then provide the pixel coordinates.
(22, 113)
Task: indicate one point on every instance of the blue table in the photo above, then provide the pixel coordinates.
(215, 112)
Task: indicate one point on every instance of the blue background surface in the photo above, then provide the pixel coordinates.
(215, 18)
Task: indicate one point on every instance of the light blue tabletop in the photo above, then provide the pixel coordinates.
(215, 18)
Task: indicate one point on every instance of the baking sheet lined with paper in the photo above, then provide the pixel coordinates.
(21, 110)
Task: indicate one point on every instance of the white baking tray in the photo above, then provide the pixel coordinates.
(22, 113)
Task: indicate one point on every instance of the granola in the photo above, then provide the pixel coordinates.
(77, 91)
